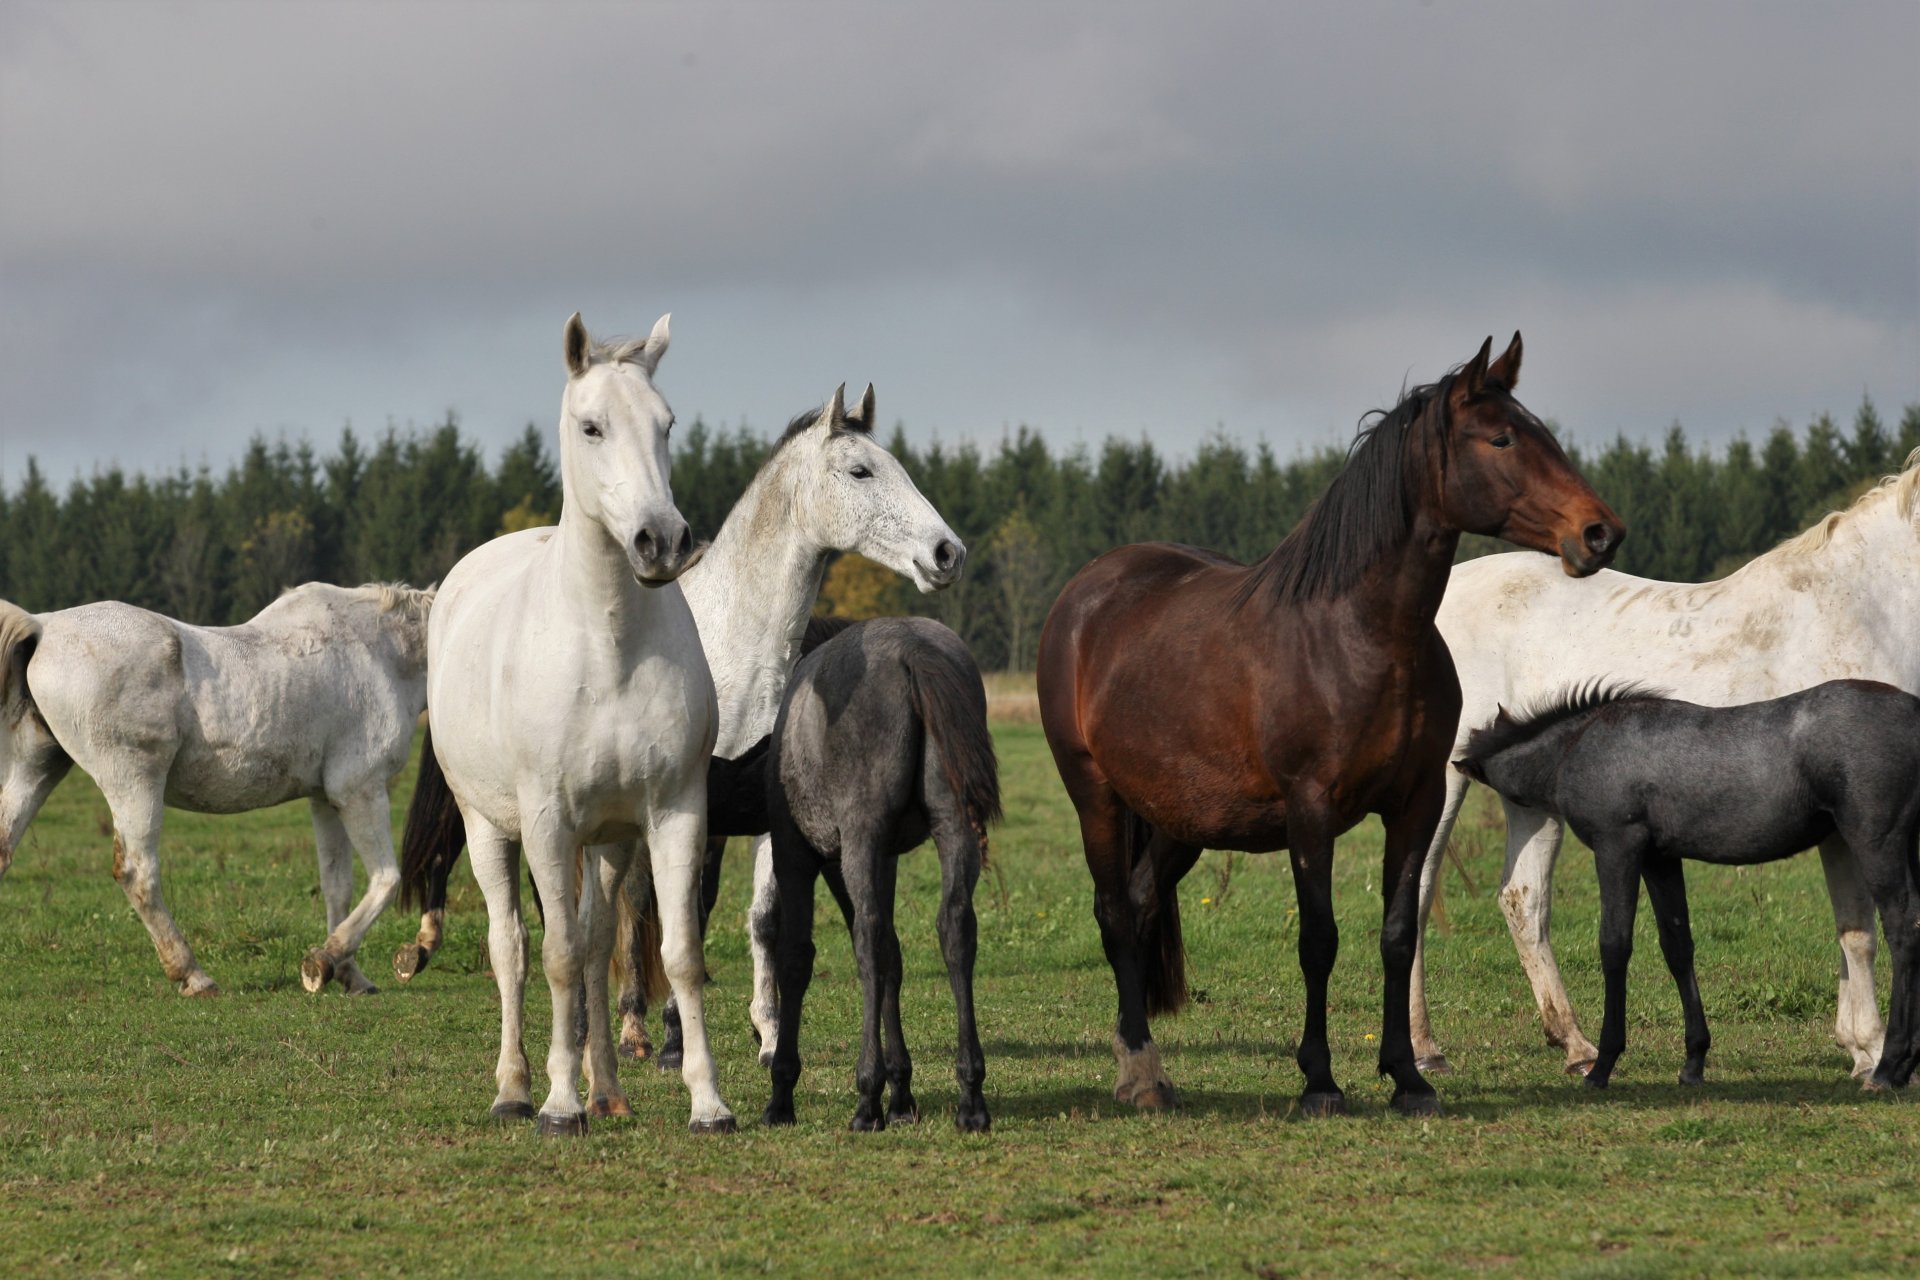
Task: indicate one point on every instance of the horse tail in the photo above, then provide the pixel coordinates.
(19, 635)
(434, 837)
(653, 970)
(1156, 920)
(951, 701)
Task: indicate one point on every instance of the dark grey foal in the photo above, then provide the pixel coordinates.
(1647, 781)
(881, 741)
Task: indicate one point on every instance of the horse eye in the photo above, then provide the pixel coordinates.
(592, 429)
(861, 473)
(1502, 441)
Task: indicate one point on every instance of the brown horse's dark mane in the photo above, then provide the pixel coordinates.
(1366, 511)
(1570, 703)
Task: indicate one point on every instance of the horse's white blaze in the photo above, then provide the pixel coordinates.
(753, 589)
(316, 696)
(1840, 600)
(571, 705)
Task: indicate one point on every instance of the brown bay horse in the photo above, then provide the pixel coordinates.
(1194, 702)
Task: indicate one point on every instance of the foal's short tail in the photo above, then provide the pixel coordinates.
(951, 701)
(19, 635)
(434, 837)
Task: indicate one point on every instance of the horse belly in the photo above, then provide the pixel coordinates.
(241, 777)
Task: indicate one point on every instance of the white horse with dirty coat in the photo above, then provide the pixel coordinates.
(317, 696)
(1841, 600)
(570, 705)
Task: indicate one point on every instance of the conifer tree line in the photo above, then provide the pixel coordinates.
(215, 548)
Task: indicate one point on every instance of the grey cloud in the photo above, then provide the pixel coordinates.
(1089, 217)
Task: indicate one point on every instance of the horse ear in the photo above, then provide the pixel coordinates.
(1506, 370)
(648, 357)
(862, 414)
(1501, 715)
(1474, 376)
(833, 414)
(576, 345)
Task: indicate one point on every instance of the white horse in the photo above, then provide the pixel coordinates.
(828, 486)
(570, 704)
(1840, 600)
(317, 696)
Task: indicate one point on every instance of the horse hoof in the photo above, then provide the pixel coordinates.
(1417, 1104)
(1434, 1064)
(777, 1117)
(910, 1116)
(512, 1111)
(573, 1126)
(316, 970)
(1316, 1105)
(766, 1059)
(670, 1059)
(719, 1124)
(610, 1107)
(409, 960)
(199, 985)
(1595, 1081)
(862, 1123)
(972, 1120)
(1874, 1084)
(636, 1047)
(1581, 1067)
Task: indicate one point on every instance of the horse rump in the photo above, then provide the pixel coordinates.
(951, 702)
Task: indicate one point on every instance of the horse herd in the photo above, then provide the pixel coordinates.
(607, 702)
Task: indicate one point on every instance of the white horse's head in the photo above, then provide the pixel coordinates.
(613, 450)
(850, 494)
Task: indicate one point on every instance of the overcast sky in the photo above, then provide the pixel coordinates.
(217, 220)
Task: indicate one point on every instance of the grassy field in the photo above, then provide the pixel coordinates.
(269, 1132)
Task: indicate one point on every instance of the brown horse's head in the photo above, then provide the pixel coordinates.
(1507, 476)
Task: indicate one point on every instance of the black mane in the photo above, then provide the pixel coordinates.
(1570, 703)
(1366, 511)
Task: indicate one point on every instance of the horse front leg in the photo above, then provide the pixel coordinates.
(361, 821)
(1310, 834)
(763, 927)
(607, 868)
(671, 1048)
(136, 867)
(676, 846)
(1666, 882)
(1856, 1022)
(1526, 898)
(551, 856)
(796, 865)
(1617, 863)
(1426, 1050)
(860, 869)
(496, 869)
(1409, 840)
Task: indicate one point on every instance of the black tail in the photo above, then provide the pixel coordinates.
(951, 701)
(1156, 920)
(435, 835)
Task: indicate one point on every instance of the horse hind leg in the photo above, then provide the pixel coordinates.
(1666, 883)
(901, 1107)
(1856, 1022)
(363, 822)
(1891, 868)
(136, 866)
(496, 868)
(959, 871)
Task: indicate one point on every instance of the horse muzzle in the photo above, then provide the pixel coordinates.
(1593, 548)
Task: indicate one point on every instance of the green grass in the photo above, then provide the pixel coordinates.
(269, 1132)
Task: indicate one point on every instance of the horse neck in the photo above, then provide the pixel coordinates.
(1526, 771)
(593, 578)
(753, 589)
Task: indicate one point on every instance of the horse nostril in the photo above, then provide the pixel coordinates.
(943, 555)
(1598, 537)
(643, 542)
(684, 546)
